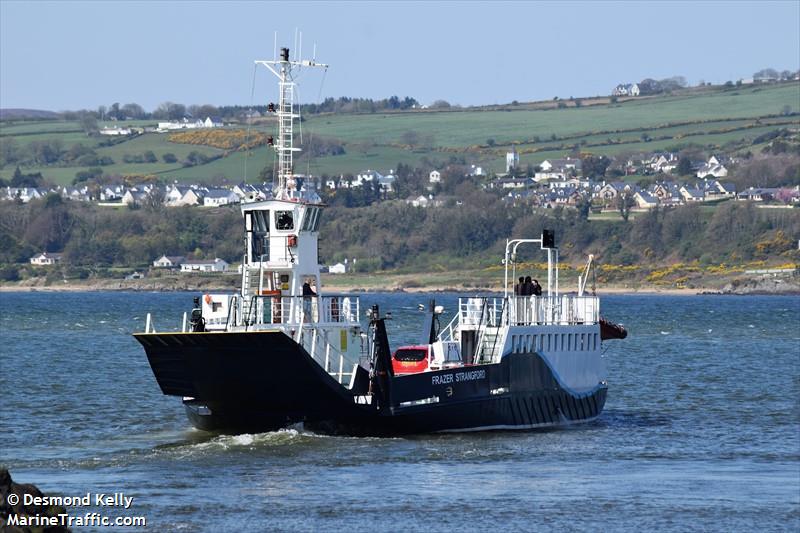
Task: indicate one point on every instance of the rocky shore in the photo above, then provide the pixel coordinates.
(765, 285)
(8, 486)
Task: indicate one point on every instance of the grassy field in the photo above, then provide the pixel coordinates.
(465, 128)
(708, 118)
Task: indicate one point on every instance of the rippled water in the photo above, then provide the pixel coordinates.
(701, 430)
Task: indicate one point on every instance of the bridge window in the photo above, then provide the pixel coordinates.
(284, 220)
(311, 219)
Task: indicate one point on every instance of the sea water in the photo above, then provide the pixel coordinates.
(701, 430)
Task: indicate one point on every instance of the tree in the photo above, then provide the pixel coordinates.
(595, 166)
(154, 200)
(134, 111)
(584, 206)
(624, 204)
(170, 111)
(650, 86)
(684, 167)
(169, 158)
(18, 179)
(88, 123)
(87, 175)
(766, 73)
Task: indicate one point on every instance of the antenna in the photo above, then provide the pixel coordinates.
(283, 68)
(275, 47)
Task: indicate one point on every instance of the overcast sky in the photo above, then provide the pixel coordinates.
(70, 55)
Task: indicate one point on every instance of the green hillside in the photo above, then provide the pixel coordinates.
(716, 118)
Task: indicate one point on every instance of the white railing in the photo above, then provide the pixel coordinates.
(475, 313)
(338, 364)
(278, 310)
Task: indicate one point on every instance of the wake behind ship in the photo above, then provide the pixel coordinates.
(282, 351)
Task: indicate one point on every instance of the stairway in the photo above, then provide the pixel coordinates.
(490, 343)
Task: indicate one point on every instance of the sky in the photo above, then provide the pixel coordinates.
(80, 55)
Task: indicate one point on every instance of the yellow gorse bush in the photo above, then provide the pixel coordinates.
(220, 138)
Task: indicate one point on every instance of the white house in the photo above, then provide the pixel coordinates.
(112, 193)
(134, 197)
(192, 197)
(718, 171)
(645, 200)
(716, 189)
(475, 171)
(419, 201)
(387, 182)
(435, 176)
(690, 194)
(116, 130)
(218, 197)
(24, 194)
(364, 177)
(204, 265)
(45, 259)
(212, 122)
(338, 268)
(175, 194)
(626, 89)
(169, 261)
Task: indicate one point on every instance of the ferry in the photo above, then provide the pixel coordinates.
(282, 351)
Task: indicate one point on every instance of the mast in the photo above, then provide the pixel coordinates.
(285, 187)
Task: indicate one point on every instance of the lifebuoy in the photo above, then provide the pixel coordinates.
(207, 298)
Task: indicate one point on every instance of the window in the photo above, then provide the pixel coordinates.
(284, 220)
(410, 355)
(311, 219)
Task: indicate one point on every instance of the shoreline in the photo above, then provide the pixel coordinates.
(754, 288)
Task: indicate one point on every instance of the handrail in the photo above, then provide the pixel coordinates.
(530, 310)
(494, 344)
(449, 328)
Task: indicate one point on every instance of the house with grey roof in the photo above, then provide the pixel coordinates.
(692, 194)
(218, 197)
(169, 261)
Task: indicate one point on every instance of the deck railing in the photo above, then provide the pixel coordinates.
(474, 313)
(258, 310)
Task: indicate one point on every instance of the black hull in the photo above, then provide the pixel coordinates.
(262, 381)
